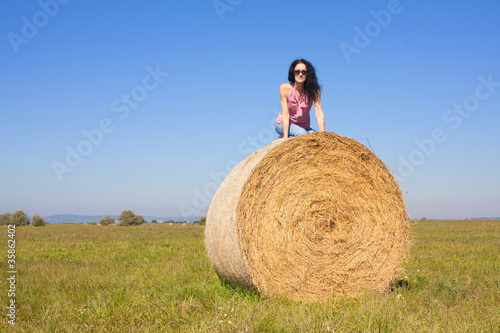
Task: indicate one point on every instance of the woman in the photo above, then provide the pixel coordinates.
(297, 98)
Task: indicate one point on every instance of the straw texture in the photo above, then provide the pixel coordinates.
(309, 218)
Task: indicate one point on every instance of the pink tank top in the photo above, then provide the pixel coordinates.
(298, 110)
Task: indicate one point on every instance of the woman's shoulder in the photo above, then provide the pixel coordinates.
(286, 88)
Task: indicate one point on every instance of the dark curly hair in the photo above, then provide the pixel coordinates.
(311, 85)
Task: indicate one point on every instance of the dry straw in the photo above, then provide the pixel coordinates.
(309, 218)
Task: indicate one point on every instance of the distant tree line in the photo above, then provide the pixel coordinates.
(20, 218)
(172, 221)
(126, 218)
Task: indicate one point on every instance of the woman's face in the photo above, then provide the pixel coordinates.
(300, 73)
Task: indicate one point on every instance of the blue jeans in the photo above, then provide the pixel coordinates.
(293, 130)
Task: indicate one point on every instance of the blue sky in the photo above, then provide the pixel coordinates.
(116, 105)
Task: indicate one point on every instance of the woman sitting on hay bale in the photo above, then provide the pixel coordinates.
(297, 98)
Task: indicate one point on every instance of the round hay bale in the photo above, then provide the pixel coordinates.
(308, 218)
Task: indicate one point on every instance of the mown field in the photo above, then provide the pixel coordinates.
(157, 278)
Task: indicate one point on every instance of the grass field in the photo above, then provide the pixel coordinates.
(157, 278)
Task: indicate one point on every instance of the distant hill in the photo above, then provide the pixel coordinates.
(457, 219)
(70, 218)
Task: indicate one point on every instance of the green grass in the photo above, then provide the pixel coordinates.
(157, 278)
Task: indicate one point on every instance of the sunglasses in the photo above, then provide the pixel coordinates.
(300, 72)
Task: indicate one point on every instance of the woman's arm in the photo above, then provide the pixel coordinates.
(285, 116)
(320, 116)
